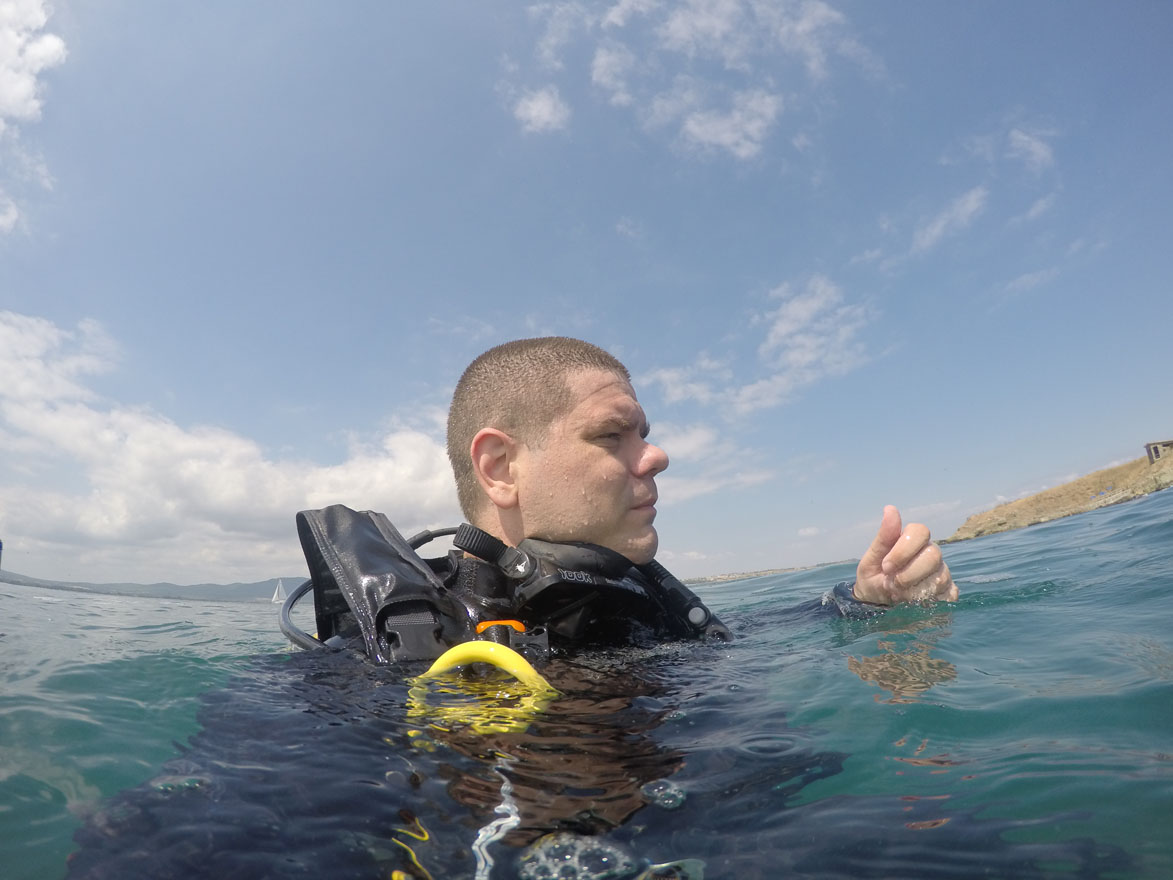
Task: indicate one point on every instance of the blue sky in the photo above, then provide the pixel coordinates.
(854, 253)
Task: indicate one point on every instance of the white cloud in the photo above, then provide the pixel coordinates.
(983, 147)
(713, 28)
(685, 95)
(677, 384)
(957, 216)
(562, 19)
(610, 69)
(1037, 209)
(689, 442)
(811, 31)
(542, 110)
(1085, 246)
(675, 489)
(812, 333)
(622, 12)
(105, 485)
(694, 382)
(710, 66)
(809, 531)
(41, 362)
(798, 311)
(1031, 280)
(629, 228)
(871, 255)
(703, 459)
(741, 130)
(25, 53)
(1027, 143)
(741, 34)
(1030, 148)
(923, 512)
(9, 213)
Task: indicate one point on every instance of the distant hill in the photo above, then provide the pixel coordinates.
(260, 591)
(1100, 489)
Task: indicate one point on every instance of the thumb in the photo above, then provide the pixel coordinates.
(885, 540)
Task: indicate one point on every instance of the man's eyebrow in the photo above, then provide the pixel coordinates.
(624, 423)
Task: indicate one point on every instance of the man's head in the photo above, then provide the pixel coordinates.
(546, 440)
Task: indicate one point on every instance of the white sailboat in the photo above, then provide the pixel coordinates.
(279, 593)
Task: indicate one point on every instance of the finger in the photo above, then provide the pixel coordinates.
(920, 569)
(886, 537)
(937, 585)
(946, 589)
(916, 538)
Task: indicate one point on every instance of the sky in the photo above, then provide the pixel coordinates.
(853, 253)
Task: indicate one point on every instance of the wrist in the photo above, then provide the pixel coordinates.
(847, 591)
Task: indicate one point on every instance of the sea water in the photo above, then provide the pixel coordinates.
(1025, 731)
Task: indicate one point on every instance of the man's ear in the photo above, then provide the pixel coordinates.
(493, 453)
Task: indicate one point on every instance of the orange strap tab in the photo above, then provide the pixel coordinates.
(485, 624)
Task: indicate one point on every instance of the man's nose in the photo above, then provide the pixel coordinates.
(653, 461)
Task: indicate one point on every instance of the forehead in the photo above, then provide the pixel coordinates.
(599, 395)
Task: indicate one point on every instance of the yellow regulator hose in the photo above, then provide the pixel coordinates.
(501, 656)
(495, 709)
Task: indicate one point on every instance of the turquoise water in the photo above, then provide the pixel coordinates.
(1026, 731)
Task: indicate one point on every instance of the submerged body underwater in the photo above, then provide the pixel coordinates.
(1021, 732)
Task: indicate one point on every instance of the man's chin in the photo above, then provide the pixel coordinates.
(643, 549)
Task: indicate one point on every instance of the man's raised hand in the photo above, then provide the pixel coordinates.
(903, 566)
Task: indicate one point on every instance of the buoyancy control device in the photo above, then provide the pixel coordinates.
(370, 584)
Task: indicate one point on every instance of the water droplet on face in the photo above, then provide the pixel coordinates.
(663, 793)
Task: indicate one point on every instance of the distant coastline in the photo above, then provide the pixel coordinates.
(1102, 488)
(745, 575)
(238, 592)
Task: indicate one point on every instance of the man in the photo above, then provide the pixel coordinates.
(547, 440)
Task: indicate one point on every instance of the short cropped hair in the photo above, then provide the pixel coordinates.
(521, 388)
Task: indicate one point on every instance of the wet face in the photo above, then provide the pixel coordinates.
(593, 479)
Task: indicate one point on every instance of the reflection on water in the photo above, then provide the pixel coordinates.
(326, 745)
(579, 765)
(905, 673)
(905, 668)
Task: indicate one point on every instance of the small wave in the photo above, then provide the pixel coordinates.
(992, 578)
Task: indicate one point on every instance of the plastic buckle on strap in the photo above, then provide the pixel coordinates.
(410, 631)
(517, 625)
(533, 644)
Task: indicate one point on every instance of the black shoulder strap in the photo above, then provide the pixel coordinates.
(368, 579)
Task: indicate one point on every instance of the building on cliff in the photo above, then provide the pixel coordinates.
(1156, 450)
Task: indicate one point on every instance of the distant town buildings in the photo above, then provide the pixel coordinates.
(1156, 450)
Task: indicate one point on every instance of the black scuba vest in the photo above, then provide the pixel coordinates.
(369, 583)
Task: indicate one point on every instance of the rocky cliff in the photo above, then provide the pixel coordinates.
(1109, 486)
